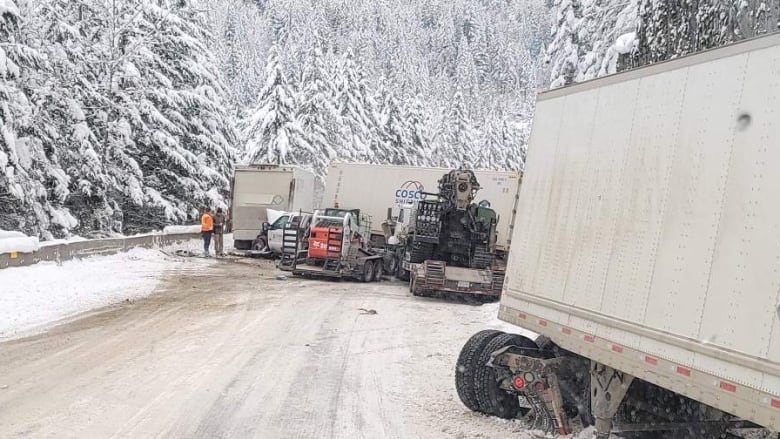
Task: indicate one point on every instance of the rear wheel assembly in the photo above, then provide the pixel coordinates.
(467, 366)
(492, 399)
(378, 270)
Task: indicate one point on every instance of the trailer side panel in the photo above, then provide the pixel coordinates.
(375, 188)
(648, 228)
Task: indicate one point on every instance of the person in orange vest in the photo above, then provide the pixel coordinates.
(206, 229)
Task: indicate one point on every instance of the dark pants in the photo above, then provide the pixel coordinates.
(206, 242)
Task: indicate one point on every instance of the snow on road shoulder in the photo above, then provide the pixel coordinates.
(36, 296)
(11, 241)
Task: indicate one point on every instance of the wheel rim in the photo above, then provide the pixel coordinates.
(260, 244)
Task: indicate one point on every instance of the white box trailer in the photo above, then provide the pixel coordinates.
(647, 238)
(256, 188)
(375, 188)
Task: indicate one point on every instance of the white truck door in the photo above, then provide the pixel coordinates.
(275, 233)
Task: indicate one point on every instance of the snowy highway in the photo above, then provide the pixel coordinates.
(228, 350)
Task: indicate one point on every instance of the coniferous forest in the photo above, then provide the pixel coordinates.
(124, 116)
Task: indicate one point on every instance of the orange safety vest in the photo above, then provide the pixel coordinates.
(206, 223)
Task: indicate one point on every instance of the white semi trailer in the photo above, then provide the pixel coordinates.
(646, 252)
(257, 188)
(375, 188)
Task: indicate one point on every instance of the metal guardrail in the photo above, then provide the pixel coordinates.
(83, 249)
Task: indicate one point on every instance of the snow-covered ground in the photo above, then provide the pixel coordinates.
(11, 241)
(227, 348)
(35, 296)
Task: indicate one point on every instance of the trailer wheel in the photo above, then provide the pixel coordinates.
(378, 271)
(467, 366)
(368, 271)
(494, 400)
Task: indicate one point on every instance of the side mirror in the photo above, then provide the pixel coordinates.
(266, 226)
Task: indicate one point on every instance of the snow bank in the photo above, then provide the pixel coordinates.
(177, 230)
(11, 242)
(31, 297)
(70, 240)
(5, 234)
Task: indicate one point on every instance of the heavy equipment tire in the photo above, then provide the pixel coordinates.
(467, 366)
(368, 271)
(378, 270)
(492, 399)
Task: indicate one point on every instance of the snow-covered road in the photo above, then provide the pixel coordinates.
(33, 297)
(227, 350)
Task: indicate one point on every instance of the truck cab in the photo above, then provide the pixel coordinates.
(271, 238)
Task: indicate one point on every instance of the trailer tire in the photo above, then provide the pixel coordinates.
(467, 365)
(402, 273)
(494, 400)
(368, 271)
(378, 270)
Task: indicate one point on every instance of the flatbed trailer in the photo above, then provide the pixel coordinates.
(646, 253)
(336, 247)
(435, 278)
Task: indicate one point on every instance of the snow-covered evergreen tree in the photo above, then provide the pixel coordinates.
(459, 146)
(273, 132)
(33, 185)
(394, 48)
(319, 116)
(600, 37)
(419, 131)
(119, 132)
(670, 28)
(357, 109)
(394, 146)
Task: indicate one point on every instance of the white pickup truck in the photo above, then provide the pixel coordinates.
(646, 252)
(270, 240)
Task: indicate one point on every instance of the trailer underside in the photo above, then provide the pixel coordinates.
(744, 403)
(561, 392)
